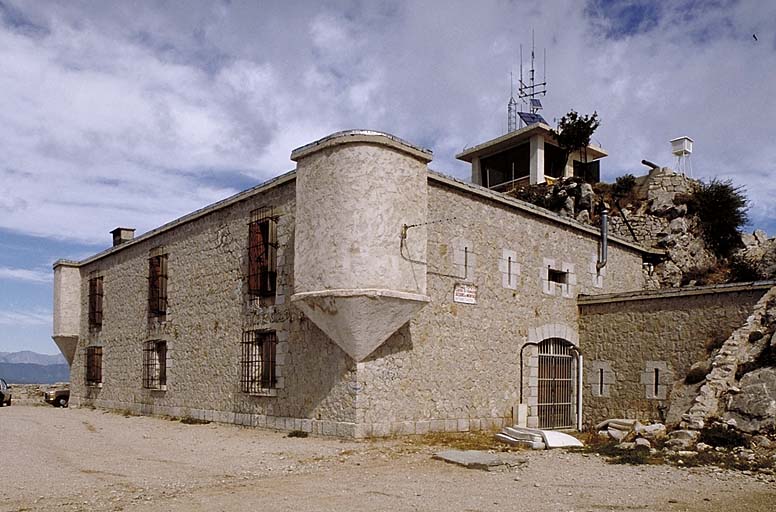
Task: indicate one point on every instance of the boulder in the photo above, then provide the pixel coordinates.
(682, 439)
(586, 197)
(754, 408)
(678, 225)
(640, 441)
(760, 236)
(654, 431)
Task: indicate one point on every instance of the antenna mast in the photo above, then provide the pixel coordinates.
(529, 93)
(511, 106)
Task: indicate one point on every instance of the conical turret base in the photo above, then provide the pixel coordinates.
(359, 321)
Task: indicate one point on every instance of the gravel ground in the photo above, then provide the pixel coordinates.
(80, 459)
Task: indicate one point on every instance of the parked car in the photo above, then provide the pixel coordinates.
(5, 393)
(57, 397)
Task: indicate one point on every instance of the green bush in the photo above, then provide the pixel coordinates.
(623, 185)
(743, 270)
(721, 208)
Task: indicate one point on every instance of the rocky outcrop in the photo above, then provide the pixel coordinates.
(655, 214)
(743, 347)
(759, 253)
(753, 408)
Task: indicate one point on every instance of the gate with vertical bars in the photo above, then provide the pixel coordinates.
(556, 384)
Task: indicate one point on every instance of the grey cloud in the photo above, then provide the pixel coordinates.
(156, 97)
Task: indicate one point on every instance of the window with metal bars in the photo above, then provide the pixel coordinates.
(155, 364)
(95, 303)
(157, 287)
(262, 250)
(257, 364)
(93, 366)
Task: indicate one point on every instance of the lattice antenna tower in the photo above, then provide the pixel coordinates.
(511, 106)
(529, 93)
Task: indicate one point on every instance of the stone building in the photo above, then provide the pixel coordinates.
(359, 295)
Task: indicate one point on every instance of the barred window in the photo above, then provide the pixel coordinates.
(155, 364)
(93, 366)
(262, 250)
(257, 366)
(95, 303)
(157, 287)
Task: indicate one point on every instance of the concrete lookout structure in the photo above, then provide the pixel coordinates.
(359, 295)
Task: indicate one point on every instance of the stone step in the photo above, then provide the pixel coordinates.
(522, 434)
(534, 445)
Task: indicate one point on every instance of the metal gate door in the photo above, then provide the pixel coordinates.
(556, 384)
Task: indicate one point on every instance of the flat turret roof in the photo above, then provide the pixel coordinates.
(516, 137)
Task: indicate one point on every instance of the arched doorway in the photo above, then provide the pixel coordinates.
(557, 384)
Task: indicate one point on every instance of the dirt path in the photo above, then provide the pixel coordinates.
(78, 459)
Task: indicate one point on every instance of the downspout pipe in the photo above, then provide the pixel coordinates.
(579, 388)
(603, 250)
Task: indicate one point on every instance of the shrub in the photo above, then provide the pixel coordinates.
(623, 185)
(743, 269)
(722, 211)
(297, 433)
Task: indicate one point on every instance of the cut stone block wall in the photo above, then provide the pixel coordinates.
(453, 367)
(456, 365)
(633, 334)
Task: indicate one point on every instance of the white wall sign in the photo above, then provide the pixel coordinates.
(465, 293)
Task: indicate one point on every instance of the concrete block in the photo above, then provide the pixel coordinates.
(422, 427)
(437, 425)
(381, 429)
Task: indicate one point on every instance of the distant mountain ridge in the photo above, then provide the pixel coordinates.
(29, 357)
(25, 373)
(27, 367)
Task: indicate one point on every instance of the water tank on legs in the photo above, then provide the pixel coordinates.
(360, 240)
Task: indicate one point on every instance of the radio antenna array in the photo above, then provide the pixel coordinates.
(530, 92)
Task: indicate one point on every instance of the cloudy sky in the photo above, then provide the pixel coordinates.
(134, 113)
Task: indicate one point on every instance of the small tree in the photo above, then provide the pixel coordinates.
(574, 133)
(722, 211)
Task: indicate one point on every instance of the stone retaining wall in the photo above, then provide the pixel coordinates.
(630, 339)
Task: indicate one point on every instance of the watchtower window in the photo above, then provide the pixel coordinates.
(95, 303)
(557, 276)
(506, 169)
(262, 252)
(157, 287)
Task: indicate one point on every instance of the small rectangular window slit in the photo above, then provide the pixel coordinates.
(465, 262)
(509, 270)
(657, 381)
(601, 381)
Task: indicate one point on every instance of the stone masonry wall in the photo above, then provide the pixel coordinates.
(456, 366)
(208, 311)
(624, 341)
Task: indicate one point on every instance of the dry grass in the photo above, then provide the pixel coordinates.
(479, 440)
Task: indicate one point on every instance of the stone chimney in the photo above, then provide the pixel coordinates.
(121, 235)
